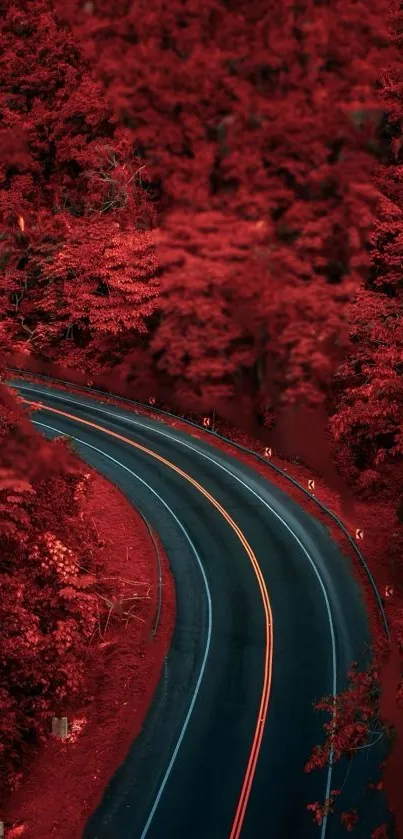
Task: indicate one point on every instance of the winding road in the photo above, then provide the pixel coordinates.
(268, 620)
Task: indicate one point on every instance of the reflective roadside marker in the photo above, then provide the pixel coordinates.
(206, 422)
(359, 534)
(267, 452)
(21, 223)
(311, 485)
(389, 591)
(152, 400)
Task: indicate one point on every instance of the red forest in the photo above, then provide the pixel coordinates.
(204, 199)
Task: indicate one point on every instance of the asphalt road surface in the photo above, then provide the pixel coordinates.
(268, 620)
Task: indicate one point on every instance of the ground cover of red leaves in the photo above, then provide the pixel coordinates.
(65, 779)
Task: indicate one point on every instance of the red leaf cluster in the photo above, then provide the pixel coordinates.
(263, 113)
(48, 607)
(362, 714)
(75, 242)
(352, 716)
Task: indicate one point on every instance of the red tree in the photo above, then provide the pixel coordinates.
(265, 113)
(367, 405)
(75, 243)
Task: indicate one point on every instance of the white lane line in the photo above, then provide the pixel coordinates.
(204, 454)
(210, 619)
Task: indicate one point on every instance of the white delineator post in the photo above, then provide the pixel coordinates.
(59, 728)
(64, 728)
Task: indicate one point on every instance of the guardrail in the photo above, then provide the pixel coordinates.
(230, 442)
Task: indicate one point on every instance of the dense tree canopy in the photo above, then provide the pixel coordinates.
(76, 248)
(267, 114)
(271, 139)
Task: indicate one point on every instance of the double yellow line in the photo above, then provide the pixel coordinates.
(268, 655)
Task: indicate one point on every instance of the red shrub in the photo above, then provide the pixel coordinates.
(48, 608)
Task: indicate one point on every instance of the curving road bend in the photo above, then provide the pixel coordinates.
(268, 620)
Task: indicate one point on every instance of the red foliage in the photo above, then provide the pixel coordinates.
(48, 607)
(367, 425)
(367, 710)
(201, 85)
(265, 113)
(77, 257)
(349, 819)
(368, 390)
(321, 810)
(257, 198)
(351, 717)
